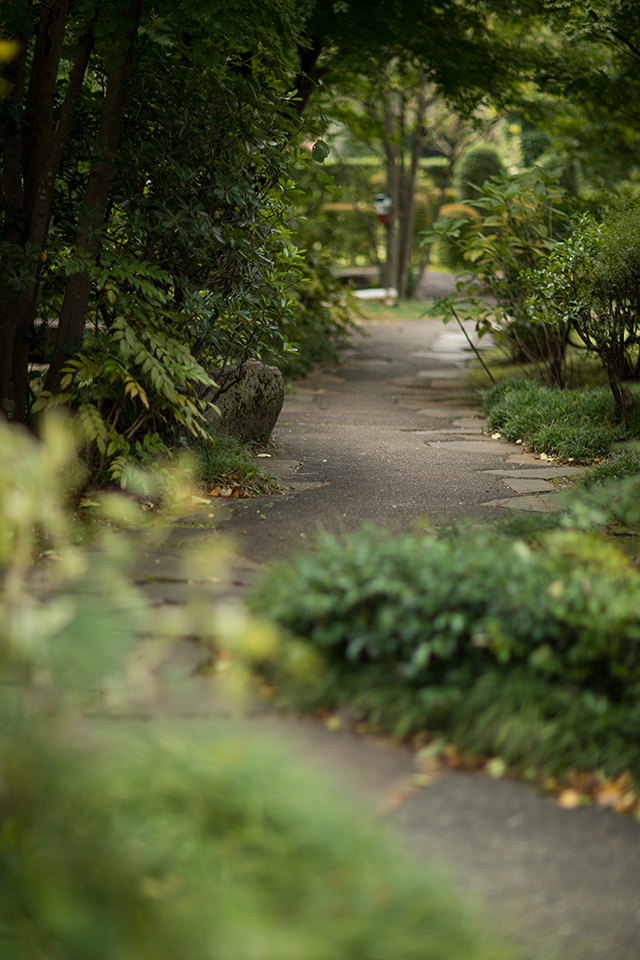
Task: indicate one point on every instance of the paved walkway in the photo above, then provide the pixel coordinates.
(391, 436)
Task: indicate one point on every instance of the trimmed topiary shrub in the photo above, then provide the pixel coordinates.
(475, 167)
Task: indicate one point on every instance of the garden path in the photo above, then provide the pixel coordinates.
(393, 435)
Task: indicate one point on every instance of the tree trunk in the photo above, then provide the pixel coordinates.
(390, 271)
(408, 197)
(76, 299)
(27, 151)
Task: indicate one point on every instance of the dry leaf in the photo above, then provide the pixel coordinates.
(608, 796)
(397, 798)
(496, 767)
(569, 799)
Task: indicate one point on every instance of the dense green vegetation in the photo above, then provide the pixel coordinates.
(525, 648)
(570, 424)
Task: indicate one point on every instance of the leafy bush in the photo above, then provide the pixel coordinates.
(450, 248)
(591, 282)
(571, 424)
(129, 384)
(522, 217)
(320, 320)
(414, 628)
(618, 466)
(605, 500)
(174, 849)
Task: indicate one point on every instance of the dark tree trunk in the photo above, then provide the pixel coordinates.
(32, 159)
(27, 149)
(408, 194)
(76, 299)
(390, 269)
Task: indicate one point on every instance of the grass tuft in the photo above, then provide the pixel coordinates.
(227, 462)
(569, 424)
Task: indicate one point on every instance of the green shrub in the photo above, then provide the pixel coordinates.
(412, 627)
(571, 424)
(320, 321)
(604, 500)
(618, 466)
(591, 282)
(197, 849)
(522, 217)
(450, 248)
(475, 167)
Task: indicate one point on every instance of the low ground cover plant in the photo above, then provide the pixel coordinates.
(529, 650)
(225, 463)
(570, 424)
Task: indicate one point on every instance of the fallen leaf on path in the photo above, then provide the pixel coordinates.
(496, 767)
(398, 797)
(569, 799)
(426, 779)
(609, 795)
(333, 723)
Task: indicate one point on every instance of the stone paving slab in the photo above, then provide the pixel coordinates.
(527, 485)
(469, 446)
(560, 471)
(541, 503)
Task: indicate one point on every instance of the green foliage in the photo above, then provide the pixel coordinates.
(533, 142)
(612, 496)
(321, 323)
(571, 424)
(128, 378)
(226, 461)
(522, 218)
(583, 61)
(477, 166)
(618, 466)
(463, 223)
(591, 282)
(423, 631)
(149, 844)
(163, 848)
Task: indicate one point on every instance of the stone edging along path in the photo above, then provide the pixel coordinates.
(390, 436)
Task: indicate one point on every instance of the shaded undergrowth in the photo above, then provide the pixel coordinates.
(227, 464)
(569, 424)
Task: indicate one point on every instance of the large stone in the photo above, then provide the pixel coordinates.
(250, 400)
